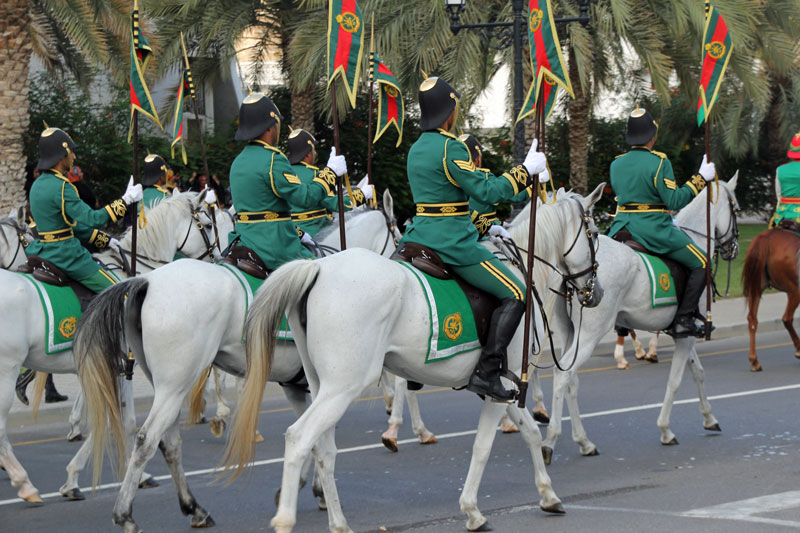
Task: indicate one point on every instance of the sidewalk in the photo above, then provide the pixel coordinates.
(730, 319)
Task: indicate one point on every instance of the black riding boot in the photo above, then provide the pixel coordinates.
(486, 377)
(685, 325)
(51, 395)
(22, 383)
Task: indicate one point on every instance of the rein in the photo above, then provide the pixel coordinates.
(322, 250)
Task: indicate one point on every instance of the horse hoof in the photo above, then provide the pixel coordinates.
(202, 521)
(428, 440)
(547, 454)
(77, 437)
(672, 442)
(541, 417)
(217, 427)
(74, 495)
(715, 427)
(258, 437)
(756, 367)
(483, 527)
(623, 366)
(391, 444)
(651, 358)
(797, 354)
(33, 498)
(556, 508)
(509, 429)
(592, 453)
(148, 483)
(322, 505)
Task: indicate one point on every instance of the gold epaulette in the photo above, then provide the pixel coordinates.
(620, 155)
(450, 135)
(662, 155)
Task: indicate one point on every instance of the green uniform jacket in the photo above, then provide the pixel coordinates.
(443, 178)
(152, 196)
(59, 214)
(642, 176)
(312, 220)
(262, 185)
(788, 176)
(484, 215)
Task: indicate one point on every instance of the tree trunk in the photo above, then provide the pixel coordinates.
(578, 110)
(303, 109)
(15, 55)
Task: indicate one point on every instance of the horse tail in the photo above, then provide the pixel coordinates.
(197, 402)
(39, 381)
(100, 360)
(754, 272)
(283, 290)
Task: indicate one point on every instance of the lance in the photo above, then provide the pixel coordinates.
(709, 187)
(339, 179)
(193, 96)
(135, 206)
(371, 98)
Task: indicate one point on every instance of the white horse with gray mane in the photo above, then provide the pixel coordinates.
(387, 324)
(23, 344)
(627, 303)
(174, 355)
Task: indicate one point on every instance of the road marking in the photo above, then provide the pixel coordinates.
(745, 509)
(364, 447)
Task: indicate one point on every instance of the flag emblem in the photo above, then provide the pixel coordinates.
(535, 19)
(391, 91)
(349, 22)
(715, 49)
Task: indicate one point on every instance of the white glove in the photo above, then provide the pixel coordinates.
(306, 239)
(707, 170)
(211, 196)
(114, 244)
(535, 162)
(337, 163)
(544, 176)
(496, 230)
(366, 188)
(133, 193)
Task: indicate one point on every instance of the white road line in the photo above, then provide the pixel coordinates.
(691, 514)
(277, 460)
(744, 509)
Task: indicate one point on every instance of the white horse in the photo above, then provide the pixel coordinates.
(387, 324)
(14, 237)
(174, 354)
(23, 344)
(627, 303)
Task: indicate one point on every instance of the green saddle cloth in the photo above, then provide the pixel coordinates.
(250, 285)
(62, 310)
(662, 286)
(453, 329)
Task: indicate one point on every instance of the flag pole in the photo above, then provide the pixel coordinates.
(135, 206)
(202, 144)
(371, 98)
(339, 179)
(526, 344)
(709, 187)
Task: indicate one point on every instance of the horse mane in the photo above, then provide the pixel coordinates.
(549, 229)
(348, 215)
(156, 239)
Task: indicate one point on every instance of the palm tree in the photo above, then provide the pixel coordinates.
(67, 36)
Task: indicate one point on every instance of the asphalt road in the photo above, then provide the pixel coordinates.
(743, 479)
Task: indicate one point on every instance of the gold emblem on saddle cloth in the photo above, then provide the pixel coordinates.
(663, 281)
(67, 327)
(349, 22)
(535, 19)
(452, 326)
(715, 49)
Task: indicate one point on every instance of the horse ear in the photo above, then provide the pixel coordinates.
(388, 204)
(19, 215)
(732, 182)
(197, 201)
(176, 192)
(595, 195)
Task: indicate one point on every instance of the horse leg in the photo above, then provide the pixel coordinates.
(679, 358)
(652, 349)
(637, 346)
(422, 433)
(752, 326)
(129, 424)
(170, 447)
(220, 419)
(788, 318)
(507, 426)
(619, 354)
(18, 475)
(325, 458)
(539, 410)
(560, 381)
(388, 390)
(698, 374)
(389, 437)
(578, 432)
(75, 417)
(70, 488)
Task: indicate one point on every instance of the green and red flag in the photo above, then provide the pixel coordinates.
(547, 60)
(391, 109)
(345, 44)
(141, 100)
(717, 49)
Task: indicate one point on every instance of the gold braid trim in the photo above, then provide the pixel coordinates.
(482, 223)
(327, 178)
(518, 176)
(100, 239)
(116, 209)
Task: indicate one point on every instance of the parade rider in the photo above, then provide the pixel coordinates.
(302, 147)
(484, 216)
(788, 176)
(62, 218)
(154, 180)
(646, 192)
(443, 178)
(264, 186)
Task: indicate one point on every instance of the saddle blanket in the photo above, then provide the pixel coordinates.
(250, 285)
(62, 310)
(662, 287)
(453, 329)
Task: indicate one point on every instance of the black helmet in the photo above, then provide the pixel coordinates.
(155, 167)
(300, 142)
(641, 127)
(437, 100)
(54, 144)
(257, 114)
(475, 147)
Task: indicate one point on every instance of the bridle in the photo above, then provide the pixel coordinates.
(22, 242)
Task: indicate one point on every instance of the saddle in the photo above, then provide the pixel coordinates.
(678, 272)
(482, 303)
(789, 224)
(247, 261)
(48, 273)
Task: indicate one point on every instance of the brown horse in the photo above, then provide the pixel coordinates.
(772, 261)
